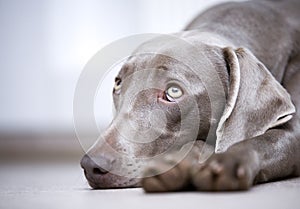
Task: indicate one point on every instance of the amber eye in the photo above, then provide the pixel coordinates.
(173, 93)
(118, 85)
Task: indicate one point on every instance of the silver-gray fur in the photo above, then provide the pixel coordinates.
(255, 49)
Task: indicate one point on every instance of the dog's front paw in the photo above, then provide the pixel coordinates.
(222, 172)
(167, 174)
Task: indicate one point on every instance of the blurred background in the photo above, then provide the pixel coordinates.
(45, 44)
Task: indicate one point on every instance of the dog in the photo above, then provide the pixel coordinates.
(253, 50)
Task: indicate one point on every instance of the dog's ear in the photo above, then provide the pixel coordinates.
(256, 102)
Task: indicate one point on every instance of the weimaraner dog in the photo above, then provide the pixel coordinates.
(254, 49)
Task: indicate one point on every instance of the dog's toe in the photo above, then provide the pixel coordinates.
(157, 179)
(222, 172)
(171, 180)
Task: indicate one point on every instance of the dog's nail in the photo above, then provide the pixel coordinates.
(216, 167)
(241, 172)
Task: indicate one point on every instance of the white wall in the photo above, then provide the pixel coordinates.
(44, 45)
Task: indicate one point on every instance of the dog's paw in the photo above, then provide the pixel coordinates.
(222, 172)
(168, 174)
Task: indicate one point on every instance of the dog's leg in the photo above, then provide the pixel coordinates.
(178, 177)
(269, 156)
(273, 155)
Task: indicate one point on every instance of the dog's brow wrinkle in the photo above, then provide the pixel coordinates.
(163, 68)
(125, 67)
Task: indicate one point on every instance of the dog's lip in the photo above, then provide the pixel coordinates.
(92, 181)
(96, 185)
(102, 182)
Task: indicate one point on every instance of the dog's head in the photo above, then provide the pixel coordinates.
(169, 96)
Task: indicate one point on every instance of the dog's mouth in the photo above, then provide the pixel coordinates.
(111, 181)
(100, 178)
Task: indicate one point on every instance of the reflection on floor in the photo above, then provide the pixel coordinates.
(62, 185)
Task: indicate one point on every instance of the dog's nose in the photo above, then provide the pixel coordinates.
(93, 168)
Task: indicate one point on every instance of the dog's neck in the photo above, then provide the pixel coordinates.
(197, 36)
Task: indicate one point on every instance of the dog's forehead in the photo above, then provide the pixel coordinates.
(176, 56)
(149, 61)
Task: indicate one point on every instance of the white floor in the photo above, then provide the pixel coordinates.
(62, 185)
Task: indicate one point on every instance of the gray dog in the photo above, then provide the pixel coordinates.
(254, 49)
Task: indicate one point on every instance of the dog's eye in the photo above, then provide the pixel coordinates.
(118, 85)
(173, 93)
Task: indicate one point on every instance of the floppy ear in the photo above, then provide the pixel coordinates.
(256, 101)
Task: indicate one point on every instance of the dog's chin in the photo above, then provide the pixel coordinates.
(112, 181)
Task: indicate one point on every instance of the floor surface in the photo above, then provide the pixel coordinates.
(62, 185)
